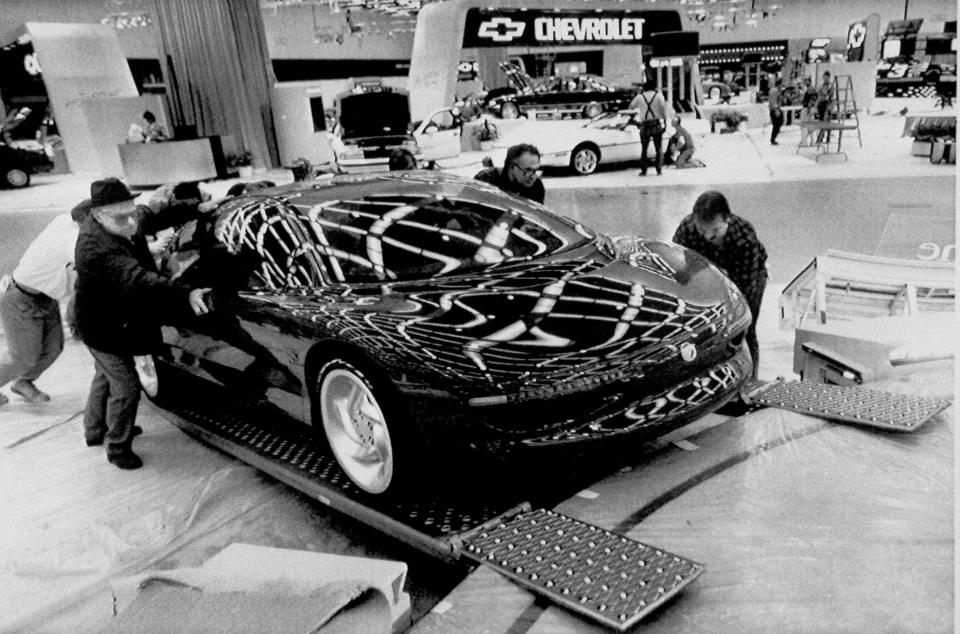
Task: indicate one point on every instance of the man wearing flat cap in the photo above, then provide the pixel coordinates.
(30, 300)
(121, 300)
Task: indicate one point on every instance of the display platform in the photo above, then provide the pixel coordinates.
(600, 574)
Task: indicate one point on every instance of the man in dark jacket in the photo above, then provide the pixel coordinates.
(520, 174)
(731, 243)
(121, 300)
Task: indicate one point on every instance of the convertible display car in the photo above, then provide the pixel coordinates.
(575, 96)
(412, 314)
(612, 137)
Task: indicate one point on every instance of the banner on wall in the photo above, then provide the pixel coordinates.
(856, 38)
(21, 77)
(490, 27)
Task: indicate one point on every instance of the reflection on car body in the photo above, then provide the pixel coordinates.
(410, 309)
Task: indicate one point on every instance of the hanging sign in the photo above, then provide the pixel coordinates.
(515, 27)
(856, 37)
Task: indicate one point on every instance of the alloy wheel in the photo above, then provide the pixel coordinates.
(356, 428)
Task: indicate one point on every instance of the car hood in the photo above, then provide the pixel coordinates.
(504, 329)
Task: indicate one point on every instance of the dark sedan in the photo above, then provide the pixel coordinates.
(19, 162)
(405, 311)
(573, 96)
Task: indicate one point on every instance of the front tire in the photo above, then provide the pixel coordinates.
(362, 425)
(584, 159)
(509, 110)
(16, 178)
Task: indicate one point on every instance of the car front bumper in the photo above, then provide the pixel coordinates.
(644, 415)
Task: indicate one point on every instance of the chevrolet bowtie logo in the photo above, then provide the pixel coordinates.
(501, 29)
(858, 33)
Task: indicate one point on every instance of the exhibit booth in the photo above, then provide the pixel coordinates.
(94, 99)
(629, 35)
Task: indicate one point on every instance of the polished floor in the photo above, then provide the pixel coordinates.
(802, 525)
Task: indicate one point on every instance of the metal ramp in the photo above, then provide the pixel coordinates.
(609, 578)
(846, 404)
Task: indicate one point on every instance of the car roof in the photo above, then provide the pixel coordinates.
(399, 184)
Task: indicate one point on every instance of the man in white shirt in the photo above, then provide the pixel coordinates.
(30, 305)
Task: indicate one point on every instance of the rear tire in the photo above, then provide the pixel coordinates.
(160, 381)
(584, 159)
(509, 110)
(16, 178)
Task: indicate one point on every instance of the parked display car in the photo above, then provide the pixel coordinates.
(368, 126)
(612, 137)
(413, 314)
(574, 96)
(20, 160)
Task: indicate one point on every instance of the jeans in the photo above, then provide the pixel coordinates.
(34, 334)
(657, 146)
(112, 404)
(683, 159)
(752, 343)
(776, 120)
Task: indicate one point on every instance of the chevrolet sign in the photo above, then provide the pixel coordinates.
(588, 29)
(513, 27)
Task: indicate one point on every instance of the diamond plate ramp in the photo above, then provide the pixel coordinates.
(611, 579)
(846, 404)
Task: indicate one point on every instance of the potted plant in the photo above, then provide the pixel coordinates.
(241, 161)
(485, 134)
(930, 130)
(731, 119)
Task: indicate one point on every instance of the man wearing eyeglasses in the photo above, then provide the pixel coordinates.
(520, 174)
(121, 300)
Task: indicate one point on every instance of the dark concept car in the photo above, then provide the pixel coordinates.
(19, 162)
(574, 96)
(406, 311)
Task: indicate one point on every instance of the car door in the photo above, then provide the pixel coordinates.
(439, 135)
(244, 343)
(618, 139)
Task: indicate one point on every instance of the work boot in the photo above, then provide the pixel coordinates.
(97, 439)
(28, 391)
(123, 457)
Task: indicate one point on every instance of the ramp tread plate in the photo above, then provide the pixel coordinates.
(297, 450)
(848, 404)
(609, 578)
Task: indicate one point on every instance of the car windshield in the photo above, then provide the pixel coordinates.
(382, 238)
(611, 120)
